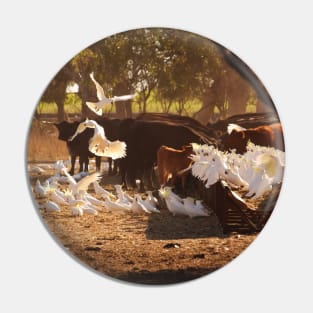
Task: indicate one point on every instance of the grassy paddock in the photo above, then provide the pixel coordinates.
(73, 104)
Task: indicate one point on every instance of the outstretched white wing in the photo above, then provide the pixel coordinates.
(116, 149)
(86, 181)
(111, 149)
(94, 107)
(100, 91)
(123, 98)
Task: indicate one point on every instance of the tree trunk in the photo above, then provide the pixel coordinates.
(61, 112)
(120, 110)
(85, 110)
(128, 109)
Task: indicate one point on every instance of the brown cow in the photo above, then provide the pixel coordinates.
(171, 161)
(268, 136)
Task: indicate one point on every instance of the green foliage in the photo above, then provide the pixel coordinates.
(169, 70)
(251, 102)
(72, 104)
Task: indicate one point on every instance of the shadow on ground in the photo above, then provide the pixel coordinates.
(165, 226)
(165, 276)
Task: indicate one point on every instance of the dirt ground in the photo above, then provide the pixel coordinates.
(143, 248)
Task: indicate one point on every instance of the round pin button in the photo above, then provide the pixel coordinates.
(155, 156)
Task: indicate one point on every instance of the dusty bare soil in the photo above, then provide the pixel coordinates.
(145, 248)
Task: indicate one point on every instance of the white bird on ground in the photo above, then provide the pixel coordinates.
(58, 166)
(272, 167)
(146, 205)
(94, 200)
(199, 205)
(99, 144)
(88, 209)
(77, 202)
(77, 211)
(101, 192)
(39, 189)
(192, 209)
(51, 206)
(90, 199)
(136, 207)
(55, 197)
(173, 194)
(260, 185)
(115, 206)
(153, 200)
(62, 179)
(104, 102)
(53, 181)
(61, 194)
(36, 169)
(175, 206)
(67, 194)
(122, 195)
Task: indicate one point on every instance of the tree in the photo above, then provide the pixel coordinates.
(174, 67)
(55, 92)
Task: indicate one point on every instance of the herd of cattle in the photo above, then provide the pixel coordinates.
(163, 140)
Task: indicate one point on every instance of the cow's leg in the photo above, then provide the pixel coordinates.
(81, 163)
(123, 173)
(110, 161)
(141, 173)
(86, 163)
(98, 163)
(73, 160)
(183, 182)
(154, 178)
(161, 174)
(115, 166)
(147, 173)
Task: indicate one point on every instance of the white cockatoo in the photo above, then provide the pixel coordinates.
(39, 189)
(104, 102)
(99, 144)
(146, 205)
(115, 206)
(122, 195)
(51, 206)
(192, 209)
(101, 192)
(153, 200)
(173, 202)
(83, 184)
(36, 169)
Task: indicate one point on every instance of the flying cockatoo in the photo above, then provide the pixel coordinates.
(83, 184)
(104, 102)
(99, 144)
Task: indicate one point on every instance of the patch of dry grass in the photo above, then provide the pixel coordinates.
(43, 143)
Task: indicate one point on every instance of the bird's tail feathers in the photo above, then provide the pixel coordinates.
(116, 150)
